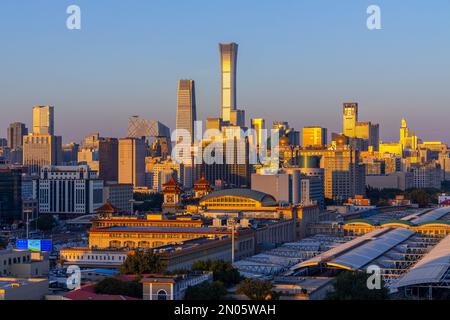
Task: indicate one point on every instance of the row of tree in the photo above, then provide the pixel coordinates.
(423, 197)
(225, 276)
(346, 286)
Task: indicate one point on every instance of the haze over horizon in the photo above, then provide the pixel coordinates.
(298, 61)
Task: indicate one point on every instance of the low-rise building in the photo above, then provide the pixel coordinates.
(396, 180)
(161, 287)
(23, 264)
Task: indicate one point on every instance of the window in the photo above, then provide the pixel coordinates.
(162, 295)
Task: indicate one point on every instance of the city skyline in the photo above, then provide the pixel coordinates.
(274, 74)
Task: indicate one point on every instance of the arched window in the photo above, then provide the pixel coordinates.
(162, 295)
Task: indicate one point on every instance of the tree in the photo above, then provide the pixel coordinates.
(257, 289)
(115, 286)
(45, 223)
(352, 285)
(206, 291)
(222, 271)
(142, 262)
(420, 196)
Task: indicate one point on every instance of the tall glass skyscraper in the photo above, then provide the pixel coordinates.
(228, 63)
(186, 108)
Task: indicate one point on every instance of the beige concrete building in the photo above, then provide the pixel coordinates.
(41, 150)
(43, 120)
(171, 287)
(41, 147)
(23, 264)
(132, 161)
(396, 180)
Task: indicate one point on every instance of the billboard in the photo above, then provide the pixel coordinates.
(34, 245)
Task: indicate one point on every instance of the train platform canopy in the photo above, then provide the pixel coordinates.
(339, 250)
(433, 215)
(366, 253)
(360, 251)
(431, 269)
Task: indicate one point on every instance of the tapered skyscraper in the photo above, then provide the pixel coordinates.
(228, 63)
(186, 108)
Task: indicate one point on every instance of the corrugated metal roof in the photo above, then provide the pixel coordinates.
(368, 252)
(433, 215)
(332, 253)
(431, 268)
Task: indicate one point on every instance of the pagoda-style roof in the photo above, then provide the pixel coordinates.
(107, 208)
(172, 185)
(201, 183)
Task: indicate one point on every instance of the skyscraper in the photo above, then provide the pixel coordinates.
(349, 119)
(108, 153)
(365, 130)
(41, 147)
(10, 195)
(16, 132)
(228, 63)
(259, 124)
(314, 136)
(132, 161)
(186, 108)
(43, 120)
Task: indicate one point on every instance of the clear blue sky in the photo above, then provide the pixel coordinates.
(298, 60)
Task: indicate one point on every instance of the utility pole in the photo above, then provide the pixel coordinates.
(233, 226)
(27, 213)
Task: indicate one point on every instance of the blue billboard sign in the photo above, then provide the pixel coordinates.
(34, 245)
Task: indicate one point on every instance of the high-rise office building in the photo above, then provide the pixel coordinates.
(108, 157)
(354, 129)
(186, 117)
(70, 154)
(314, 136)
(186, 108)
(69, 190)
(43, 120)
(10, 195)
(228, 63)
(16, 132)
(232, 166)
(258, 125)
(343, 175)
(349, 120)
(41, 150)
(41, 147)
(101, 155)
(132, 161)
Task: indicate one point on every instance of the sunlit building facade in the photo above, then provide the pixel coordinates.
(314, 136)
(132, 161)
(228, 63)
(43, 120)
